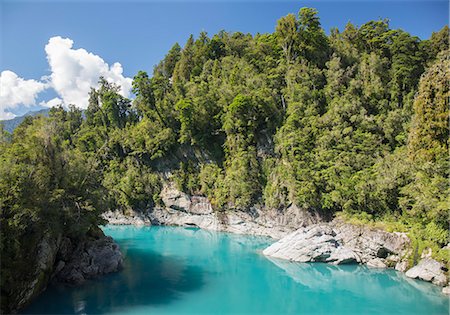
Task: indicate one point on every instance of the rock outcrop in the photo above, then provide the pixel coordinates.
(339, 243)
(59, 258)
(303, 236)
(26, 287)
(130, 218)
(316, 243)
(429, 270)
(181, 209)
(89, 259)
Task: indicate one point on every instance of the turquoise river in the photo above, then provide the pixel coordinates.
(174, 270)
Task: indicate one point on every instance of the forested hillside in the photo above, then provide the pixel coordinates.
(10, 124)
(354, 123)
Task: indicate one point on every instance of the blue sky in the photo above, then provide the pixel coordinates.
(137, 34)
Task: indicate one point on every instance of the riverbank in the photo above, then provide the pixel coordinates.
(301, 235)
(182, 270)
(65, 260)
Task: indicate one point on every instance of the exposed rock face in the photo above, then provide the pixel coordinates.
(61, 260)
(370, 243)
(338, 243)
(303, 236)
(199, 214)
(132, 217)
(232, 221)
(312, 244)
(38, 277)
(376, 263)
(428, 270)
(91, 258)
(184, 210)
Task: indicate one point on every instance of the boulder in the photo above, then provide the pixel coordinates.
(446, 290)
(370, 243)
(376, 263)
(339, 243)
(429, 270)
(312, 244)
(175, 199)
(402, 266)
(90, 259)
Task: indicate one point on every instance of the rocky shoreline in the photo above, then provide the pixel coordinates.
(64, 260)
(301, 236)
(88, 259)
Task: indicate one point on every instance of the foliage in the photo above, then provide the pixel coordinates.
(355, 122)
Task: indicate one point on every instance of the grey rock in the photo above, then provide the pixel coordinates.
(175, 199)
(338, 243)
(428, 270)
(376, 263)
(183, 210)
(90, 259)
(426, 253)
(446, 290)
(200, 205)
(40, 272)
(402, 266)
(370, 243)
(130, 218)
(312, 244)
(343, 255)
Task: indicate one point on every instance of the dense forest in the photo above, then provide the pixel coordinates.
(352, 124)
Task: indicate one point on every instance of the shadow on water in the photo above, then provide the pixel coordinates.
(148, 279)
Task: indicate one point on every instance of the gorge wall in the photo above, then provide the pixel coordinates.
(61, 259)
(302, 236)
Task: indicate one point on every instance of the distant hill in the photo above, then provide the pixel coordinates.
(11, 124)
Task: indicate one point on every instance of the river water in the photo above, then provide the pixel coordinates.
(175, 270)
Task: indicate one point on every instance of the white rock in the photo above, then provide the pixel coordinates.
(401, 266)
(175, 199)
(314, 243)
(428, 270)
(376, 263)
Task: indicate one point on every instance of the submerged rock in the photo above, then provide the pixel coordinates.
(429, 270)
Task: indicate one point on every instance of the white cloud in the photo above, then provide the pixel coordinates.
(52, 103)
(75, 71)
(15, 91)
(4, 114)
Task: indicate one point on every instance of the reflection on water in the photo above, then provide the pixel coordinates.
(172, 270)
(359, 281)
(147, 279)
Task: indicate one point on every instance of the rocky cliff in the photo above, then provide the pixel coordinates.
(65, 260)
(184, 210)
(302, 236)
(337, 242)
